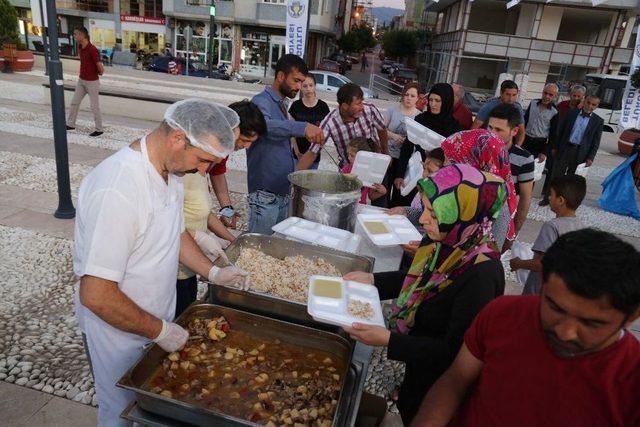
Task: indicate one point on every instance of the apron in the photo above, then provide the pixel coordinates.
(150, 283)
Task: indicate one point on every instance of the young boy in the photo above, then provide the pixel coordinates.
(377, 190)
(566, 195)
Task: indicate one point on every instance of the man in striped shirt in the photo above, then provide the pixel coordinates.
(504, 121)
(354, 118)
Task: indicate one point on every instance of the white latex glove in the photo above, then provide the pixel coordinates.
(229, 276)
(210, 245)
(172, 337)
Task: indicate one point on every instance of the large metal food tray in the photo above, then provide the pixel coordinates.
(271, 305)
(138, 375)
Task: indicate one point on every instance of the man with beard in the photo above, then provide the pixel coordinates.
(564, 358)
(270, 160)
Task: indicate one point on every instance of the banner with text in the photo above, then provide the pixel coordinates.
(297, 17)
(630, 114)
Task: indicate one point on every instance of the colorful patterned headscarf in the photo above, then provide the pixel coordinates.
(465, 201)
(487, 152)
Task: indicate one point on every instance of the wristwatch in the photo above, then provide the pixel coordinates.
(227, 211)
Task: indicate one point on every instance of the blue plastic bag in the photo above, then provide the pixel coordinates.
(619, 191)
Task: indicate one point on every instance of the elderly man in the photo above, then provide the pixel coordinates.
(461, 112)
(576, 98)
(508, 95)
(540, 122)
(129, 237)
(564, 358)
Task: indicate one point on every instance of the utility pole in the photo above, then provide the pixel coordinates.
(212, 34)
(65, 204)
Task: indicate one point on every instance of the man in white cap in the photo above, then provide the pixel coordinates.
(129, 237)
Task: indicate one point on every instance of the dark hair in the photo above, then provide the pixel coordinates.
(593, 264)
(436, 154)
(508, 84)
(347, 92)
(411, 85)
(83, 30)
(251, 118)
(361, 144)
(572, 187)
(507, 112)
(288, 62)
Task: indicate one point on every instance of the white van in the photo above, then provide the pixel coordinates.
(610, 90)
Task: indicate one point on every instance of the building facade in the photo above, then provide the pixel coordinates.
(249, 36)
(475, 41)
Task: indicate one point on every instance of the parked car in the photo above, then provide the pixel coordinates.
(328, 81)
(160, 64)
(341, 59)
(353, 59)
(394, 67)
(328, 65)
(386, 64)
(402, 76)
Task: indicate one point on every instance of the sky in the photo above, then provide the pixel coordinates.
(398, 4)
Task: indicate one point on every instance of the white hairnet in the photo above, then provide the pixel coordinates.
(201, 120)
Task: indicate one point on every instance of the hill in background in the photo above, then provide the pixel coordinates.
(385, 14)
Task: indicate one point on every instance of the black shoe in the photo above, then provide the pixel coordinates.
(96, 133)
(544, 202)
(70, 128)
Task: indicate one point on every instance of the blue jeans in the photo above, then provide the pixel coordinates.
(266, 210)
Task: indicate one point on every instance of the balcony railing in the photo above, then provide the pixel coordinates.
(529, 48)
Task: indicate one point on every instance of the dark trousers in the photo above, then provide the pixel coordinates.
(564, 164)
(383, 201)
(186, 293)
(535, 146)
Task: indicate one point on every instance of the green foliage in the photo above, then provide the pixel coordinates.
(635, 79)
(399, 43)
(357, 39)
(9, 23)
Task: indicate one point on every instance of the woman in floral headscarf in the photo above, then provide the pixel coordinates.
(487, 152)
(455, 272)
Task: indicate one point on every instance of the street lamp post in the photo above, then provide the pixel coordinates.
(65, 204)
(212, 33)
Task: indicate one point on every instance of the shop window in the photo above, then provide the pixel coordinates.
(153, 8)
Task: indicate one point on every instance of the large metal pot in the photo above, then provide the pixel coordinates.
(329, 198)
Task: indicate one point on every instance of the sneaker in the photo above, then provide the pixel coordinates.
(544, 202)
(96, 133)
(70, 128)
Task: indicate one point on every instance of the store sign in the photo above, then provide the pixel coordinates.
(630, 115)
(297, 17)
(142, 19)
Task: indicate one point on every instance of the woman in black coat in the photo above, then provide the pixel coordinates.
(454, 274)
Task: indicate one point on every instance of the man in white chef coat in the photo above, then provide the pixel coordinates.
(129, 238)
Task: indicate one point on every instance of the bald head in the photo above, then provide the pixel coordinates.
(549, 93)
(458, 93)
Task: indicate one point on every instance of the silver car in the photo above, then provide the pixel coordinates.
(328, 81)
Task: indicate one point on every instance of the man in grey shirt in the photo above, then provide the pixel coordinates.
(566, 195)
(540, 122)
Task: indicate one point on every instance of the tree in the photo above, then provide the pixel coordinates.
(8, 23)
(357, 39)
(399, 43)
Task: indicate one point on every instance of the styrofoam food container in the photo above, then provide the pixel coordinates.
(317, 234)
(422, 136)
(370, 168)
(400, 231)
(334, 311)
(582, 170)
(538, 169)
(415, 170)
(369, 209)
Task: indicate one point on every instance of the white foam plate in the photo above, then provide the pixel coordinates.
(307, 231)
(370, 168)
(582, 170)
(369, 209)
(538, 169)
(421, 135)
(415, 170)
(400, 229)
(334, 311)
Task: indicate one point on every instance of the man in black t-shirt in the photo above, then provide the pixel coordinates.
(504, 121)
